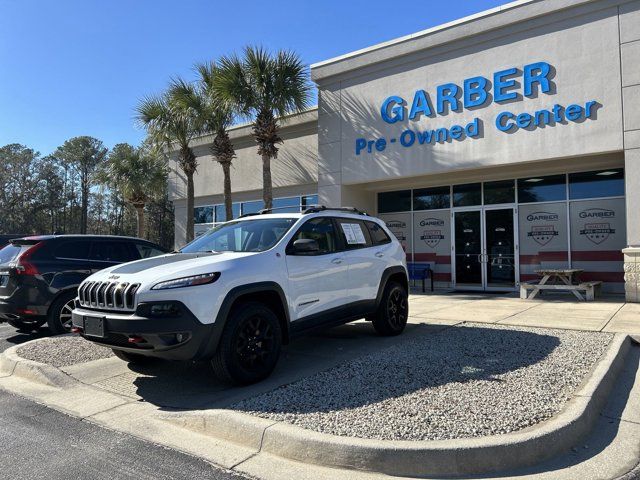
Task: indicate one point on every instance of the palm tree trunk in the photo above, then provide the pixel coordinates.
(267, 188)
(140, 219)
(228, 206)
(190, 195)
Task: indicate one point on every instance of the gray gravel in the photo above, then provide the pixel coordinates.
(63, 351)
(466, 381)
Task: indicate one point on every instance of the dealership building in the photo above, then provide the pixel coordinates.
(492, 146)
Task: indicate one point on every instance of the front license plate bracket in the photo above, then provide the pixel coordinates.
(94, 326)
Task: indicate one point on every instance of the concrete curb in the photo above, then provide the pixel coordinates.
(399, 458)
(11, 364)
(419, 458)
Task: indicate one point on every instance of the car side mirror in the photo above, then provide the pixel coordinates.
(304, 246)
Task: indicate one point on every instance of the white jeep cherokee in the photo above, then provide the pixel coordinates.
(237, 293)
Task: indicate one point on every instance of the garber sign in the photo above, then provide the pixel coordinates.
(507, 85)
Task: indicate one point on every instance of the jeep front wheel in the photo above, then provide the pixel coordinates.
(249, 346)
(393, 312)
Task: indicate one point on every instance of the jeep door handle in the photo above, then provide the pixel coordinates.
(337, 261)
(379, 254)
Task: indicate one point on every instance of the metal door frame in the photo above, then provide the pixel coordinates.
(483, 287)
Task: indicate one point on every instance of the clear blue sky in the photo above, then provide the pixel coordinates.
(79, 67)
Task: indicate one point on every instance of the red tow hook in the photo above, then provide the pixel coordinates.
(136, 339)
(76, 330)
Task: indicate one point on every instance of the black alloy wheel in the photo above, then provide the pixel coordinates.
(249, 346)
(254, 346)
(393, 312)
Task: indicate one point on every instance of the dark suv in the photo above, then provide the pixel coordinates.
(39, 275)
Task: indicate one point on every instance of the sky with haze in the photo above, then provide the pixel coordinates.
(79, 67)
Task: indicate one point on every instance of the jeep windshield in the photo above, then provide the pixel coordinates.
(254, 235)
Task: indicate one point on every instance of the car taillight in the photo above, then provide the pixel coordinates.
(23, 263)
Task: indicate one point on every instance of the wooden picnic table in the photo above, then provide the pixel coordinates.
(560, 279)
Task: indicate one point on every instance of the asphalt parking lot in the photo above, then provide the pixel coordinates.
(39, 442)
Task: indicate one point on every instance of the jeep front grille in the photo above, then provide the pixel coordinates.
(108, 295)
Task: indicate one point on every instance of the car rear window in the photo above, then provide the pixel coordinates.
(10, 252)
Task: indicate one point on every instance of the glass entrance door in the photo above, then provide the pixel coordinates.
(485, 248)
(499, 258)
(468, 249)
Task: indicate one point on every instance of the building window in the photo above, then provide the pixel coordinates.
(221, 215)
(252, 207)
(287, 205)
(542, 189)
(467, 195)
(203, 214)
(309, 200)
(503, 191)
(399, 201)
(431, 198)
(604, 183)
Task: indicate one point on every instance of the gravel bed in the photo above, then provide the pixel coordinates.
(465, 381)
(63, 351)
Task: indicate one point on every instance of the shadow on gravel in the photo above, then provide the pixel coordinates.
(424, 356)
(457, 354)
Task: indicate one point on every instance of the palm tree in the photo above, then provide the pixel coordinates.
(170, 123)
(214, 117)
(139, 174)
(263, 87)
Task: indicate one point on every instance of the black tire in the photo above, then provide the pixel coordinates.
(59, 318)
(249, 346)
(27, 326)
(393, 312)
(133, 358)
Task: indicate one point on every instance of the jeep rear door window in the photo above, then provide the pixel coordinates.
(354, 233)
(254, 235)
(378, 235)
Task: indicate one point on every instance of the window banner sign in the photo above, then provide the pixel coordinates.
(598, 235)
(432, 241)
(400, 226)
(543, 238)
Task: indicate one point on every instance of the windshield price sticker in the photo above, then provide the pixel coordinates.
(353, 233)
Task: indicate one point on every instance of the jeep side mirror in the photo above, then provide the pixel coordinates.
(304, 246)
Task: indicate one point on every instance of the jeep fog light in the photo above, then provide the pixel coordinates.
(164, 309)
(192, 281)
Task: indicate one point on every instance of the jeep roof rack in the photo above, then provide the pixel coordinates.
(307, 210)
(322, 208)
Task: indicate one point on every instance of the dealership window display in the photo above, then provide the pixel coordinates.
(565, 220)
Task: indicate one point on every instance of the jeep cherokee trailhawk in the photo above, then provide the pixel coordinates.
(237, 293)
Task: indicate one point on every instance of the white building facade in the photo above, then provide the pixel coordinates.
(492, 146)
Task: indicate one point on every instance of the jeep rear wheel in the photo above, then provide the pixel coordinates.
(393, 312)
(249, 346)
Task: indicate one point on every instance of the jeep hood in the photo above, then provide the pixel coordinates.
(166, 266)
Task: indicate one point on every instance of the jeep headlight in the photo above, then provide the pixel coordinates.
(191, 281)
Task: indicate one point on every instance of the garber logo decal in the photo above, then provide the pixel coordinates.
(597, 213)
(542, 234)
(432, 237)
(544, 216)
(597, 232)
